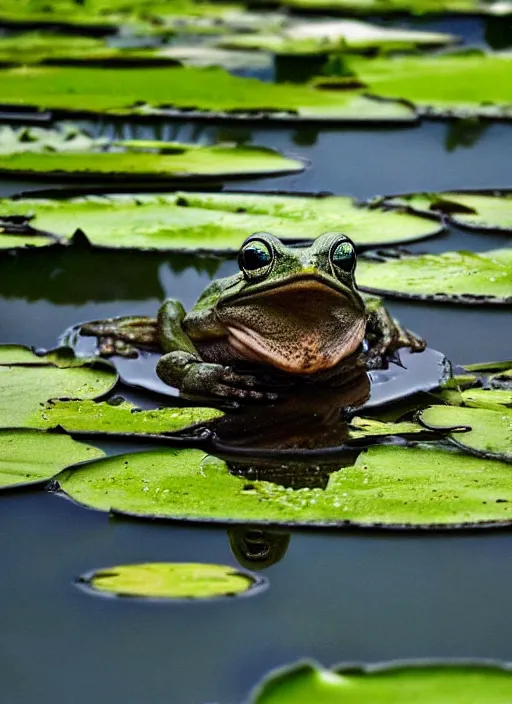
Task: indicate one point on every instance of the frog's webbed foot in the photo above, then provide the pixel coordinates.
(197, 379)
(123, 336)
(385, 335)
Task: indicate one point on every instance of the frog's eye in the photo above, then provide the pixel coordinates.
(343, 256)
(255, 259)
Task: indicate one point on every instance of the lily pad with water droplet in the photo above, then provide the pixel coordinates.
(168, 580)
(31, 457)
(451, 277)
(388, 487)
(28, 381)
(490, 433)
(175, 92)
(421, 682)
(117, 416)
(475, 211)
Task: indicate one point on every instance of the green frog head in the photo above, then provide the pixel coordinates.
(295, 308)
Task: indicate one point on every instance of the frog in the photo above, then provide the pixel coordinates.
(290, 312)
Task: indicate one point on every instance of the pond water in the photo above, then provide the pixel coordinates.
(334, 597)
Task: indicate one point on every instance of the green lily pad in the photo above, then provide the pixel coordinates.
(47, 48)
(367, 428)
(168, 580)
(31, 457)
(66, 151)
(105, 16)
(328, 36)
(451, 277)
(211, 222)
(400, 683)
(493, 399)
(28, 381)
(198, 91)
(490, 433)
(392, 7)
(450, 85)
(474, 211)
(388, 486)
(115, 417)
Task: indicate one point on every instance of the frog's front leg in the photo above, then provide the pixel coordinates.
(123, 336)
(181, 364)
(385, 335)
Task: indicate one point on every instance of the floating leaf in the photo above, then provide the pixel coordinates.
(366, 428)
(392, 7)
(399, 683)
(494, 399)
(36, 151)
(454, 277)
(168, 580)
(490, 434)
(461, 85)
(327, 36)
(475, 211)
(30, 457)
(115, 417)
(27, 381)
(170, 91)
(387, 486)
(213, 222)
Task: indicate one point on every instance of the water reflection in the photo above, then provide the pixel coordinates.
(257, 549)
(464, 133)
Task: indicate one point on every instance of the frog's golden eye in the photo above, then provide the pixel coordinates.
(255, 259)
(343, 256)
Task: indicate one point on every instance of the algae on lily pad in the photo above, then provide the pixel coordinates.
(475, 211)
(66, 151)
(387, 486)
(28, 381)
(116, 416)
(490, 433)
(425, 682)
(330, 35)
(171, 580)
(31, 457)
(185, 221)
(449, 85)
(173, 92)
(451, 277)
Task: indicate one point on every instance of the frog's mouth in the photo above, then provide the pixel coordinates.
(302, 327)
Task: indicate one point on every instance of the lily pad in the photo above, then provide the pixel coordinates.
(490, 433)
(399, 683)
(451, 277)
(493, 399)
(27, 381)
(31, 457)
(388, 486)
(168, 580)
(171, 92)
(185, 221)
(33, 152)
(329, 35)
(449, 85)
(116, 416)
(474, 211)
(392, 7)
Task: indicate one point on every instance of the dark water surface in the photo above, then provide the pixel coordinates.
(334, 596)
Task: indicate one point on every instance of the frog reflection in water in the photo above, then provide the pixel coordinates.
(289, 311)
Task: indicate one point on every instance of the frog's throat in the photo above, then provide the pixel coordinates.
(301, 328)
